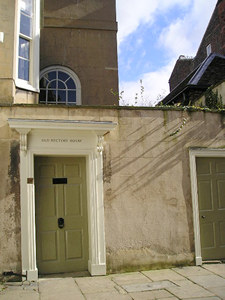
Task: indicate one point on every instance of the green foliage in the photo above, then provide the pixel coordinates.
(119, 96)
(213, 100)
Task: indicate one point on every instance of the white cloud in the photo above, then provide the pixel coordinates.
(182, 36)
(132, 13)
(155, 85)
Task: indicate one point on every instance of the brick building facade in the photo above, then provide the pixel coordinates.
(213, 38)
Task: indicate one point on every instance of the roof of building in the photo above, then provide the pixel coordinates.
(210, 72)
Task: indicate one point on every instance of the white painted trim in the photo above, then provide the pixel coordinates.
(31, 131)
(99, 127)
(193, 154)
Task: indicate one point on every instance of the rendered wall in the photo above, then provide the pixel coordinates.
(147, 189)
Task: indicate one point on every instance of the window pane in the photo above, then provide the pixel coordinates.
(71, 97)
(61, 85)
(43, 83)
(23, 71)
(70, 84)
(50, 76)
(42, 96)
(62, 96)
(26, 6)
(51, 96)
(63, 76)
(52, 84)
(25, 25)
(24, 48)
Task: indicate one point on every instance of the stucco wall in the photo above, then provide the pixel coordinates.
(147, 191)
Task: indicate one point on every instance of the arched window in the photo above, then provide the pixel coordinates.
(59, 85)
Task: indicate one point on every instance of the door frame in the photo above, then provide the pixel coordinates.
(193, 154)
(88, 137)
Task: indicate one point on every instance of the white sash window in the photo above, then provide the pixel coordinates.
(28, 44)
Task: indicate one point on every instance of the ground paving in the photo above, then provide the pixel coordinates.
(189, 283)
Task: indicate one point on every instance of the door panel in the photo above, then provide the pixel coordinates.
(60, 192)
(211, 197)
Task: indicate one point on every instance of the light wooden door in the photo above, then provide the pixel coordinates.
(61, 214)
(211, 195)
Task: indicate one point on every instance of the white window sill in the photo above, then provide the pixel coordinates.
(22, 84)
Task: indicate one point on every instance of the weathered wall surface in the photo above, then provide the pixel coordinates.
(10, 244)
(147, 190)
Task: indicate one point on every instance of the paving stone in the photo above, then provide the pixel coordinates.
(161, 294)
(157, 285)
(19, 294)
(64, 288)
(107, 296)
(172, 298)
(208, 280)
(167, 274)
(189, 291)
(130, 278)
(192, 271)
(218, 269)
(203, 298)
(95, 284)
(62, 296)
(218, 291)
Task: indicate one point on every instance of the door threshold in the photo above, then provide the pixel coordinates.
(64, 275)
(208, 262)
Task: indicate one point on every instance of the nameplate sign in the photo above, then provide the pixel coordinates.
(62, 140)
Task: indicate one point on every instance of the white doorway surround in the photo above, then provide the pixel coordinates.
(62, 138)
(193, 154)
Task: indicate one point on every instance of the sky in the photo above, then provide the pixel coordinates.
(152, 35)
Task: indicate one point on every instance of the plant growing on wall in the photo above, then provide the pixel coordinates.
(213, 99)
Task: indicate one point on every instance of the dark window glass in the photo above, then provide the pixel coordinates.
(51, 96)
(23, 71)
(25, 25)
(51, 76)
(63, 76)
(52, 84)
(70, 84)
(43, 82)
(71, 96)
(24, 48)
(61, 96)
(42, 96)
(61, 85)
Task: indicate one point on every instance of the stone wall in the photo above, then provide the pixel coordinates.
(147, 189)
(7, 26)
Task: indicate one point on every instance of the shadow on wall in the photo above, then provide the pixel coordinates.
(78, 9)
(154, 166)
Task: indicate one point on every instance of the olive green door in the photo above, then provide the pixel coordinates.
(211, 195)
(61, 214)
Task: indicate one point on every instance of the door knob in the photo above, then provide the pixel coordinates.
(60, 222)
(203, 217)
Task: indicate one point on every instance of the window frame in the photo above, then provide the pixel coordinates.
(72, 75)
(208, 49)
(34, 58)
